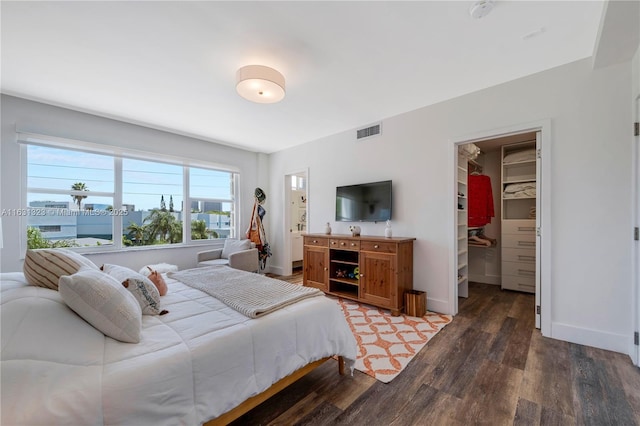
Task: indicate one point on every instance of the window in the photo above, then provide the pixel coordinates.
(78, 198)
(152, 192)
(69, 195)
(211, 203)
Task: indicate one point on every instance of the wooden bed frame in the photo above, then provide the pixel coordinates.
(256, 400)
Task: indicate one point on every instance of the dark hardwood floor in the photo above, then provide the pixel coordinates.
(490, 366)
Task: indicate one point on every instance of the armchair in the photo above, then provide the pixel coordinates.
(238, 254)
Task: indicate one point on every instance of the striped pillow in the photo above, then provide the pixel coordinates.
(44, 267)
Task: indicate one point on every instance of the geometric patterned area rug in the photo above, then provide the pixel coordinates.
(386, 344)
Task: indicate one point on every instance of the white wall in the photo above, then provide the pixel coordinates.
(590, 179)
(50, 120)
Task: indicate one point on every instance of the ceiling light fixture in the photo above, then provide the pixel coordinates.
(257, 83)
(481, 8)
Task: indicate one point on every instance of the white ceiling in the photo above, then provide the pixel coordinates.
(171, 65)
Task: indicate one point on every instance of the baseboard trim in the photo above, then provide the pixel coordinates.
(589, 337)
(436, 305)
(277, 270)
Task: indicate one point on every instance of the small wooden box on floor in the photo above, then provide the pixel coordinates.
(415, 303)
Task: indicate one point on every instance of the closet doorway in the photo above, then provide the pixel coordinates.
(295, 219)
(499, 216)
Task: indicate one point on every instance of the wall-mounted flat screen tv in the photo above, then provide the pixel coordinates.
(366, 202)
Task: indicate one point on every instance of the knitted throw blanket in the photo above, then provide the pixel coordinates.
(252, 295)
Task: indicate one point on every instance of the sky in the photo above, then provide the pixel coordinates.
(143, 183)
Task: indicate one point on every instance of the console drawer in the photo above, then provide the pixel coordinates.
(316, 241)
(344, 244)
(379, 247)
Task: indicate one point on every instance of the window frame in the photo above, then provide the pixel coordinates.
(118, 154)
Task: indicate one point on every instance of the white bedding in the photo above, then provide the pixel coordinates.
(192, 364)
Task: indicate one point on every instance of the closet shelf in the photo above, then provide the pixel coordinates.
(482, 246)
(518, 198)
(517, 163)
(531, 180)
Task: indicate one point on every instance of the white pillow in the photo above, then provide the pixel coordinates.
(161, 268)
(232, 245)
(104, 303)
(44, 267)
(145, 291)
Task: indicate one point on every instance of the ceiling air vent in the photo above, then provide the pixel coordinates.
(369, 131)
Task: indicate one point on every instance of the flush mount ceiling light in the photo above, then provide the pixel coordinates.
(257, 83)
(481, 8)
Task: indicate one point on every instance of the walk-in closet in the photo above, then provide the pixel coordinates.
(496, 224)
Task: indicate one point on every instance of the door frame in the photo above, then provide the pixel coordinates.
(544, 214)
(634, 351)
(287, 269)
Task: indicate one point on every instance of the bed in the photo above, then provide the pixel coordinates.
(191, 366)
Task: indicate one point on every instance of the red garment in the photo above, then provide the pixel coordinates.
(480, 200)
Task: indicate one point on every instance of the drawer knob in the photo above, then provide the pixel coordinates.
(342, 243)
(326, 269)
(362, 275)
(376, 246)
(353, 244)
(315, 241)
(333, 242)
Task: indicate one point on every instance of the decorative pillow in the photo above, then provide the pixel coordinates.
(104, 303)
(145, 292)
(156, 278)
(146, 295)
(44, 267)
(158, 267)
(231, 246)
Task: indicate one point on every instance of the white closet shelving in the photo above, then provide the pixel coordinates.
(462, 246)
(518, 217)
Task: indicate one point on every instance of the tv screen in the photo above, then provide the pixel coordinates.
(367, 202)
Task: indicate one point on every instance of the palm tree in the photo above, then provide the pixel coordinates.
(175, 234)
(79, 186)
(198, 230)
(161, 224)
(136, 232)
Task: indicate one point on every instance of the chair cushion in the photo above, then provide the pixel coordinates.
(231, 246)
(214, 262)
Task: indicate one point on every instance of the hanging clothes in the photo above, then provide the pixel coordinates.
(480, 206)
(256, 231)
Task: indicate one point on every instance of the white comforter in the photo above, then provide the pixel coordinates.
(192, 364)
